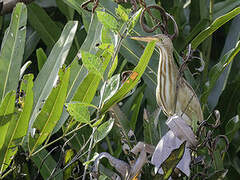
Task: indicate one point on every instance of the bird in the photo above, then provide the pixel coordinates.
(173, 93)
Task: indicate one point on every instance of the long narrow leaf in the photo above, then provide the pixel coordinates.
(43, 24)
(18, 124)
(51, 111)
(45, 162)
(6, 108)
(12, 51)
(132, 81)
(217, 70)
(48, 74)
(213, 27)
(8, 149)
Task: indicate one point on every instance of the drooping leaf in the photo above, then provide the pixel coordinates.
(213, 27)
(103, 130)
(12, 51)
(132, 80)
(43, 84)
(43, 24)
(50, 112)
(41, 58)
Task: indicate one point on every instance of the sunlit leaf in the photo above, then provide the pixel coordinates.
(110, 88)
(133, 79)
(92, 63)
(12, 50)
(6, 108)
(79, 111)
(122, 13)
(44, 82)
(134, 19)
(108, 20)
(50, 112)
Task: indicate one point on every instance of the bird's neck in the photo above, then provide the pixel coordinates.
(166, 60)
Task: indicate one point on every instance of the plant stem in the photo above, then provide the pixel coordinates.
(89, 153)
(109, 146)
(64, 135)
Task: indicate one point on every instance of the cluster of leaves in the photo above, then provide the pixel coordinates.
(59, 78)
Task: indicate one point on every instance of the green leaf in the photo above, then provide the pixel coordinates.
(135, 110)
(26, 101)
(92, 63)
(43, 24)
(134, 19)
(75, 4)
(65, 9)
(224, 7)
(213, 27)
(228, 102)
(110, 88)
(32, 41)
(122, 13)
(68, 157)
(43, 84)
(6, 108)
(108, 20)
(12, 51)
(8, 149)
(46, 163)
(41, 58)
(217, 70)
(232, 127)
(50, 112)
(131, 81)
(83, 86)
(171, 162)
(103, 130)
(79, 111)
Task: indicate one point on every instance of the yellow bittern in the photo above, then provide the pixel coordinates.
(173, 93)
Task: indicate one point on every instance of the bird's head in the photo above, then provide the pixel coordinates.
(162, 40)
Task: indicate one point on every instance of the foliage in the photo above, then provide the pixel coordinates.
(73, 84)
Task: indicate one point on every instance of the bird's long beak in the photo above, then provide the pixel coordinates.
(145, 38)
